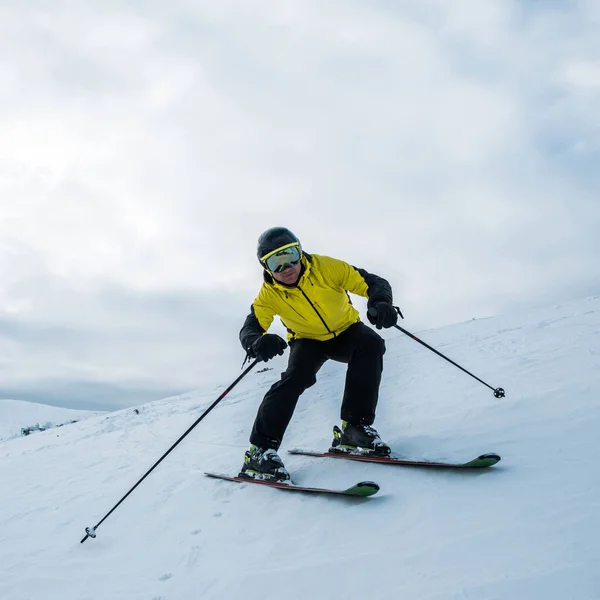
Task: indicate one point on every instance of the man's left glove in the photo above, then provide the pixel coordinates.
(382, 315)
(267, 346)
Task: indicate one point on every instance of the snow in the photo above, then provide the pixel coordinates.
(527, 528)
(17, 414)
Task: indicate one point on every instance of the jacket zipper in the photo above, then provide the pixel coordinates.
(318, 313)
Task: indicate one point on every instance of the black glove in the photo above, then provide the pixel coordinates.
(382, 314)
(267, 346)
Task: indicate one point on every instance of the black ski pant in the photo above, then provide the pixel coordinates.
(359, 346)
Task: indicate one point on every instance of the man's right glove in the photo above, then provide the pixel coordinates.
(267, 346)
(382, 314)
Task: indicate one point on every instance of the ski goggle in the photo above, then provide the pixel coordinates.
(282, 258)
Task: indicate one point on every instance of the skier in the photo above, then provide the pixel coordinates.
(309, 292)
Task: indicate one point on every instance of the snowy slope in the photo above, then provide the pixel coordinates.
(525, 529)
(16, 414)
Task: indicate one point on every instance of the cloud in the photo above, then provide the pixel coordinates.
(450, 147)
(119, 342)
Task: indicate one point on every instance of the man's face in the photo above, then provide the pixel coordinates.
(289, 276)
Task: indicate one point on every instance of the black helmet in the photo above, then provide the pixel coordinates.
(274, 238)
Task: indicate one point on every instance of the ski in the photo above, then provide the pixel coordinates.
(361, 489)
(483, 461)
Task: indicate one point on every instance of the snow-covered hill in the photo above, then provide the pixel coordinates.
(17, 414)
(526, 529)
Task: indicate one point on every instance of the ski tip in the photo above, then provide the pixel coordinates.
(484, 460)
(490, 455)
(363, 488)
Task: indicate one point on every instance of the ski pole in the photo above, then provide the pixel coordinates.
(91, 531)
(498, 392)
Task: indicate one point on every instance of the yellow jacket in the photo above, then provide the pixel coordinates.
(318, 305)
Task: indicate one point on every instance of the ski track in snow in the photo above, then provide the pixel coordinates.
(527, 528)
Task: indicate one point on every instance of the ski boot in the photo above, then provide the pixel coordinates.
(260, 463)
(358, 439)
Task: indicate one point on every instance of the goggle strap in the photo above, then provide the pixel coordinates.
(264, 258)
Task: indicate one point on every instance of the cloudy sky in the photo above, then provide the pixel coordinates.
(451, 147)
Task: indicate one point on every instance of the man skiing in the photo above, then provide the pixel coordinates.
(309, 292)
